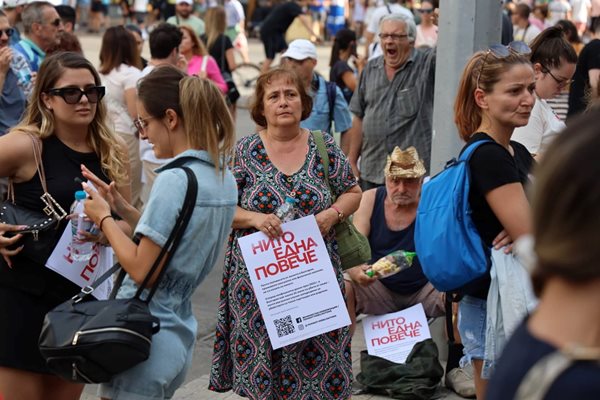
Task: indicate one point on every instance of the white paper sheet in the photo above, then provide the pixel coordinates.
(393, 336)
(294, 282)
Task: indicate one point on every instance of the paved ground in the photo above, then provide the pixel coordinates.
(206, 297)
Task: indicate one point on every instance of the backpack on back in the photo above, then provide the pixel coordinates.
(450, 249)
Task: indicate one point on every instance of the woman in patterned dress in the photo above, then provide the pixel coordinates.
(278, 161)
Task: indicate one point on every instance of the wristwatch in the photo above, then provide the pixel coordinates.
(341, 215)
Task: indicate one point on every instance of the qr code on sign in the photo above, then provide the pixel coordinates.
(284, 326)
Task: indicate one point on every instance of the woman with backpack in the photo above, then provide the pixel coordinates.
(495, 95)
(563, 331)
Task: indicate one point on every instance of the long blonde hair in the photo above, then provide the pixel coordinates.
(39, 121)
(199, 103)
(216, 22)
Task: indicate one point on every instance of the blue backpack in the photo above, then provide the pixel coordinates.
(450, 249)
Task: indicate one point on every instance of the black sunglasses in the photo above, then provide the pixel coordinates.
(426, 10)
(501, 51)
(56, 22)
(8, 31)
(72, 95)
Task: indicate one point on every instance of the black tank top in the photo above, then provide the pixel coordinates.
(384, 241)
(61, 165)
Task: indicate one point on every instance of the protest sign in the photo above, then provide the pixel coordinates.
(294, 282)
(392, 336)
(82, 273)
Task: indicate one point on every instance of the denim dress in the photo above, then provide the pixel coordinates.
(172, 347)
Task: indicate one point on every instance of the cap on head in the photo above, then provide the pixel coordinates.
(404, 164)
(189, 2)
(301, 49)
(13, 3)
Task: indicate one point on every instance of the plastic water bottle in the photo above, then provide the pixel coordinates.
(393, 263)
(21, 69)
(286, 212)
(81, 250)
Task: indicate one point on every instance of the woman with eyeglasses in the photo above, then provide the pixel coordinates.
(66, 116)
(554, 61)
(495, 96)
(185, 118)
(120, 70)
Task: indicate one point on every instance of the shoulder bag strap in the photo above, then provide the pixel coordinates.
(320, 142)
(168, 250)
(172, 242)
(204, 62)
(52, 209)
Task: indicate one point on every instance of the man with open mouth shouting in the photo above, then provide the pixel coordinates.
(393, 104)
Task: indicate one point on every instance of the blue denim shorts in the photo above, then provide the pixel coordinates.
(472, 313)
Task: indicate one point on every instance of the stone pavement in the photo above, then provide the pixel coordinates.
(197, 388)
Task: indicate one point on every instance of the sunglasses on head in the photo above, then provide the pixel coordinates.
(72, 95)
(501, 51)
(8, 31)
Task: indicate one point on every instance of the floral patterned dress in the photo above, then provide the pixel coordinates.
(318, 368)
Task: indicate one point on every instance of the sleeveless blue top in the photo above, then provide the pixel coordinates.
(384, 241)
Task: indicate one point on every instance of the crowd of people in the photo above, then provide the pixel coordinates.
(125, 129)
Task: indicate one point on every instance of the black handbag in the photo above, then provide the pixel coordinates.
(41, 227)
(89, 341)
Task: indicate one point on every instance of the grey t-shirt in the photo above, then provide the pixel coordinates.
(396, 113)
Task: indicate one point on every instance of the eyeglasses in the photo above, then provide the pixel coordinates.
(141, 124)
(500, 51)
(394, 36)
(72, 95)
(8, 31)
(562, 83)
(56, 22)
(426, 10)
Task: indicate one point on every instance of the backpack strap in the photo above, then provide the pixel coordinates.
(540, 377)
(468, 152)
(331, 95)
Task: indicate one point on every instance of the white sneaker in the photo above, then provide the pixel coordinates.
(461, 381)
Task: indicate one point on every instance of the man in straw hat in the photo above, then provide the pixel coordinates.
(387, 217)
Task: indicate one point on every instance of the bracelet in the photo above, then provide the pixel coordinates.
(102, 220)
(340, 214)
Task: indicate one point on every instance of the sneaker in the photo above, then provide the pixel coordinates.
(461, 381)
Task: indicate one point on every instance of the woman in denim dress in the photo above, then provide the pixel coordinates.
(188, 119)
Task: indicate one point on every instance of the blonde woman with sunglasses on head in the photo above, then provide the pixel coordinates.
(67, 118)
(495, 95)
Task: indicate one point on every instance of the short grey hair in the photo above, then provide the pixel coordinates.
(33, 13)
(408, 21)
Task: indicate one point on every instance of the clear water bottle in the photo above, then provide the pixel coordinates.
(286, 211)
(21, 69)
(81, 250)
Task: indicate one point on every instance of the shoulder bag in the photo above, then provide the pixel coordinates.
(90, 341)
(40, 226)
(353, 246)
